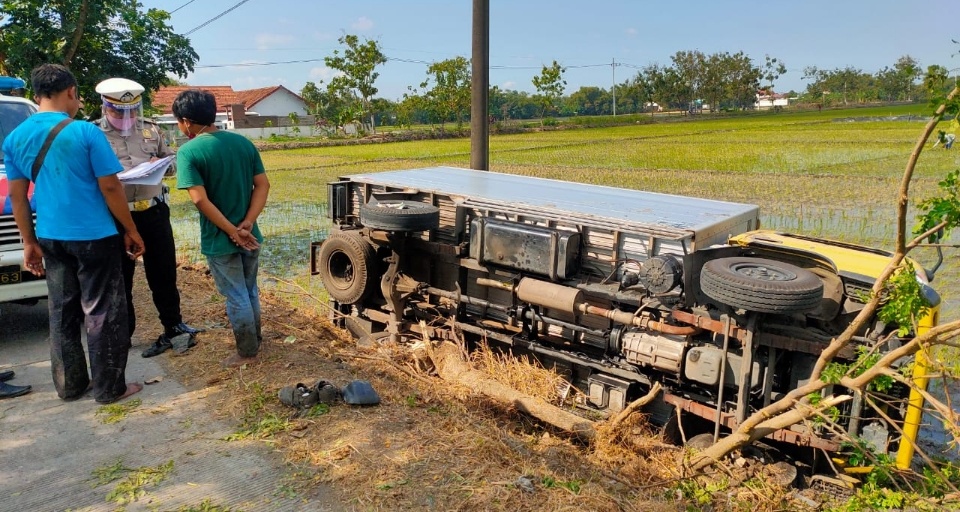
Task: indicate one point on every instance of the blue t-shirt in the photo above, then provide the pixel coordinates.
(70, 205)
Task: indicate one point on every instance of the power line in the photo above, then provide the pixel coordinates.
(249, 64)
(182, 6)
(215, 18)
(396, 59)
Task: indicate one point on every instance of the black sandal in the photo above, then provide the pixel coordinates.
(299, 396)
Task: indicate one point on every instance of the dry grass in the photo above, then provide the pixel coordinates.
(428, 445)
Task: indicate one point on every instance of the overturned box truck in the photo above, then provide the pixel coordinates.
(615, 288)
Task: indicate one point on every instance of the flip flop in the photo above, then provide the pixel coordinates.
(360, 392)
(298, 395)
(327, 392)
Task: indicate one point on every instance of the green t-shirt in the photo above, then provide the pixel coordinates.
(224, 164)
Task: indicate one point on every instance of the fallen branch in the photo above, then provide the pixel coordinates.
(450, 364)
(635, 405)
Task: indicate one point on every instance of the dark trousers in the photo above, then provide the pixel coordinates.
(159, 266)
(85, 286)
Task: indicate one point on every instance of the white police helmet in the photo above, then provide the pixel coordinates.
(122, 104)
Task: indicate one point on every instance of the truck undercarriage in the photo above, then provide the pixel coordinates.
(615, 289)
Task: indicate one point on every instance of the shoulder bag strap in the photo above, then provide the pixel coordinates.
(38, 162)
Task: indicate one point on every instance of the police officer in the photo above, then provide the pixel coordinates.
(136, 141)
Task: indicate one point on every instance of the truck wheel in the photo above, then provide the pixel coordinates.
(407, 216)
(347, 267)
(761, 285)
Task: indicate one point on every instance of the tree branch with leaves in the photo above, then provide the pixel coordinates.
(96, 39)
(895, 297)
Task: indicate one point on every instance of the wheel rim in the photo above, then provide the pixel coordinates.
(341, 270)
(763, 272)
(394, 205)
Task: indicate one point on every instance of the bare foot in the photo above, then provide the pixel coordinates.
(237, 360)
(132, 389)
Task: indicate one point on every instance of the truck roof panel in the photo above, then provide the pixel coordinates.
(703, 218)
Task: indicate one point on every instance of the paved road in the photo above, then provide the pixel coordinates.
(50, 447)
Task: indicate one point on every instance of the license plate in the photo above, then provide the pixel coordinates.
(9, 274)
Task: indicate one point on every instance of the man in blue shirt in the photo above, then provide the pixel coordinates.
(77, 196)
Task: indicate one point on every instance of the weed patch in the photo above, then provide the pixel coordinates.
(206, 506)
(133, 487)
(258, 424)
(114, 413)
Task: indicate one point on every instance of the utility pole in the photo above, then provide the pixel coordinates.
(613, 86)
(480, 87)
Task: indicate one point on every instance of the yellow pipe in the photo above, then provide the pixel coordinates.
(911, 421)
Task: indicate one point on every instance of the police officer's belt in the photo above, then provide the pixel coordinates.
(145, 204)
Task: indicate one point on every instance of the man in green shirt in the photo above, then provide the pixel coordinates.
(224, 175)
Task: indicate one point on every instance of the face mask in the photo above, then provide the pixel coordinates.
(122, 124)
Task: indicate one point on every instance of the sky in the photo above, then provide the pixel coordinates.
(253, 45)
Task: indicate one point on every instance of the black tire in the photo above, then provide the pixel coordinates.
(405, 216)
(761, 285)
(347, 267)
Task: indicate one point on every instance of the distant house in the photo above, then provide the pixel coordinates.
(769, 99)
(273, 101)
(252, 108)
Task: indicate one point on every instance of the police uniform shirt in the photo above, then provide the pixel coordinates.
(140, 146)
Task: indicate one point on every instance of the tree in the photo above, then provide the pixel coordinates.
(716, 71)
(497, 103)
(843, 83)
(743, 80)
(669, 87)
(895, 297)
(96, 39)
(327, 102)
(688, 76)
(772, 70)
(383, 110)
(550, 85)
(589, 101)
(448, 96)
(357, 65)
(294, 122)
(937, 80)
(644, 90)
(898, 83)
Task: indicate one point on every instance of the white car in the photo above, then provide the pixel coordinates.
(16, 283)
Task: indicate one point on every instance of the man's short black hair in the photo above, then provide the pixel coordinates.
(196, 106)
(51, 79)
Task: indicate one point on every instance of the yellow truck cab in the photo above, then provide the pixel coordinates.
(859, 267)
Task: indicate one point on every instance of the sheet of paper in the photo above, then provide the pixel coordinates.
(147, 170)
(150, 179)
